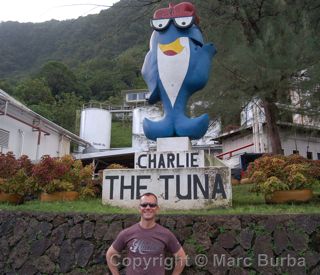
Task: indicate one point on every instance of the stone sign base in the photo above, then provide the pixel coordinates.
(185, 179)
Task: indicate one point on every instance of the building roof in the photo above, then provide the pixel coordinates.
(107, 153)
(248, 129)
(13, 108)
(102, 159)
(235, 132)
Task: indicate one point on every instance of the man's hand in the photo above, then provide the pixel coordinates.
(181, 260)
(112, 257)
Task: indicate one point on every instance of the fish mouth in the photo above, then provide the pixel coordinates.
(172, 48)
(196, 42)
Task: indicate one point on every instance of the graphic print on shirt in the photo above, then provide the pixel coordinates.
(145, 247)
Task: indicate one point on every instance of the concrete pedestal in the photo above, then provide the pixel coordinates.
(173, 144)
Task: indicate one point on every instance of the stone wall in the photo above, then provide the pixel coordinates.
(38, 243)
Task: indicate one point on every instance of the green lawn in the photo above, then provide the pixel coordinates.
(121, 134)
(244, 202)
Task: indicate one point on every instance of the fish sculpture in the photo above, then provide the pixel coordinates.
(177, 65)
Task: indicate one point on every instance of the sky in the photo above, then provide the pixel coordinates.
(44, 10)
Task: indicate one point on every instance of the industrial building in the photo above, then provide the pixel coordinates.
(24, 132)
(301, 136)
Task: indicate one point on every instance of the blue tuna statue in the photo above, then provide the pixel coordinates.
(177, 65)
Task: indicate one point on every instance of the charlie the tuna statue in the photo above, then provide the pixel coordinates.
(177, 65)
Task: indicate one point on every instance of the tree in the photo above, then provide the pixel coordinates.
(34, 91)
(61, 79)
(129, 67)
(6, 86)
(65, 110)
(262, 47)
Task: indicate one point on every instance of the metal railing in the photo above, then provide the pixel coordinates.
(220, 156)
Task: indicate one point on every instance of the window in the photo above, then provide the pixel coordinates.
(136, 96)
(309, 155)
(141, 96)
(318, 155)
(295, 152)
(4, 138)
(132, 96)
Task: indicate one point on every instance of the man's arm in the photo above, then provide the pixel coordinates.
(112, 257)
(181, 260)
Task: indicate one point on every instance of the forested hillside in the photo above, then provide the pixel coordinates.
(25, 47)
(266, 48)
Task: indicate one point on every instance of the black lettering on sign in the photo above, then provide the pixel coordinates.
(111, 178)
(166, 184)
(141, 187)
(194, 159)
(123, 187)
(139, 160)
(218, 187)
(161, 163)
(197, 184)
(170, 160)
(153, 161)
(187, 159)
(179, 195)
(178, 161)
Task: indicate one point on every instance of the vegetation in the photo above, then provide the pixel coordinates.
(243, 202)
(20, 176)
(268, 49)
(265, 49)
(276, 173)
(63, 174)
(15, 175)
(121, 134)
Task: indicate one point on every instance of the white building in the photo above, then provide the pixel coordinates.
(25, 132)
(297, 137)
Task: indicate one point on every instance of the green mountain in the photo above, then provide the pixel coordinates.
(265, 49)
(25, 47)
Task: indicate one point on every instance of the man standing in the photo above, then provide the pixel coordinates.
(146, 243)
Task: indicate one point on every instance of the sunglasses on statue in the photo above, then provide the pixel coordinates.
(152, 205)
(179, 22)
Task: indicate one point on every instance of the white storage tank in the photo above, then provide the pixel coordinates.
(139, 140)
(95, 127)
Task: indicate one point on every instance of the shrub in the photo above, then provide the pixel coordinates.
(63, 174)
(116, 166)
(49, 169)
(57, 185)
(274, 173)
(20, 184)
(8, 165)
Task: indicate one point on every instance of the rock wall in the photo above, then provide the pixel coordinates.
(38, 243)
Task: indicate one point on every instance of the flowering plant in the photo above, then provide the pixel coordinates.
(276, 172)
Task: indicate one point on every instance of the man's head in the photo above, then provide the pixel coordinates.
(148, 207)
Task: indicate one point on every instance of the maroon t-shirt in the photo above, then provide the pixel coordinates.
(146, 248)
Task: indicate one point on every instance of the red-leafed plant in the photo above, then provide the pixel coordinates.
(15, 175)
(63, 174)
(8, 165)
(276, 172)
(49, 169)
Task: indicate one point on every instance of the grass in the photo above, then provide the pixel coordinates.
(244, 202)
(121, 134)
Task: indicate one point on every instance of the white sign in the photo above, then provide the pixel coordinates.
(184, 188)
(169, 160)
